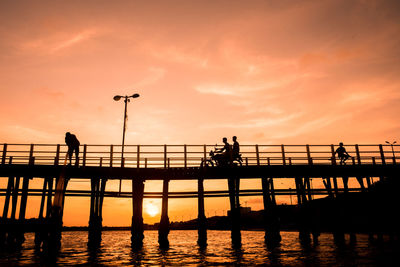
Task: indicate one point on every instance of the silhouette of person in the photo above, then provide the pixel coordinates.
(342, 154)
(73, 145)
(226, 150)
(235, 148)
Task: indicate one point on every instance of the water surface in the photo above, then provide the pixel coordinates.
(116, 250)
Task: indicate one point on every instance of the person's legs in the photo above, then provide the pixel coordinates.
(345, 157)
(70, 151)
(77, 155)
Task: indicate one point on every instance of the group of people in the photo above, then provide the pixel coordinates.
(228, 152)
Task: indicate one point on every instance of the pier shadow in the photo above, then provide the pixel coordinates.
(274, 254)
(137, 255)
(237, 253)
(47, 255)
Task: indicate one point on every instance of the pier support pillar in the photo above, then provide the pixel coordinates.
(233, 185)
(19, 234)
(201, 219)
(271, 217)
(56, 214)
(3, 231)
(163, 230)
(41, 232)
(137, 213)
(304, 219)
(98, 186)
(328, 185)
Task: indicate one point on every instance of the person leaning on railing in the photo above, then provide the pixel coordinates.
(73, 145)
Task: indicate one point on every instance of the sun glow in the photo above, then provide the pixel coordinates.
(152, 209)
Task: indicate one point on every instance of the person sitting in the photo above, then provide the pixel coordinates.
(236, 149)
(226, 152)
(342, 154)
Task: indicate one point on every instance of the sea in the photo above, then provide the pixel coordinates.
(116, 250)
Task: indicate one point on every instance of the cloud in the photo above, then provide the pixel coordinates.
(154, 74)
(55, 42)
(73, 40)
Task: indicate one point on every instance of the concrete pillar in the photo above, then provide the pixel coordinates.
(96, 202)
(137, 213)
(163, 230)
(201, 219)
(235, 211)
(303, 218)
(271, 217)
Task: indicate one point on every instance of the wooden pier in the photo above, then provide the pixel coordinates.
(100, 163)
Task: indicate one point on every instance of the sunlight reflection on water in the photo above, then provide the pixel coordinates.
(116, 250)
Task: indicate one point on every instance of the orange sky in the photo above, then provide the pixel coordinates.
(270, 72)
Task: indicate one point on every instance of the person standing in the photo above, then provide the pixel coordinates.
(73, 146)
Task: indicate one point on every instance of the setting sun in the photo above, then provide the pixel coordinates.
(152, 209)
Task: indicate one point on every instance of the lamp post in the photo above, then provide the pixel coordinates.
(126, 100)
(391, 144)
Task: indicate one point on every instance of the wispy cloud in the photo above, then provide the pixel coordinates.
(72, 40)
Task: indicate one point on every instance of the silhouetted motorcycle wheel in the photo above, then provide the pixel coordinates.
(207, 163)
(237, 162)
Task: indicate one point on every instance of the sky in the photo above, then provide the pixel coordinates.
(270, 72)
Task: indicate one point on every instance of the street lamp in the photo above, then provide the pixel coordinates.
(126, 100)
(391, 144)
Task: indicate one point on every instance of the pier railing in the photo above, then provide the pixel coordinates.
(170, 156)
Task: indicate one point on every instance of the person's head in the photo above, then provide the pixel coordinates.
(234, 138)
(224, 140)
(340, 144)
(67, 134)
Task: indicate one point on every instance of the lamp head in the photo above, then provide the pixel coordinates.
(394, 142)
(135, 95)
(387, 142)
(117, 97)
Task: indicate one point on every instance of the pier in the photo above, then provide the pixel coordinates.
(101, 163)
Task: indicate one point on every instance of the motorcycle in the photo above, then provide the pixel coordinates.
(220, 160)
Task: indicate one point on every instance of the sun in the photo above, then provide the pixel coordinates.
(151, 209)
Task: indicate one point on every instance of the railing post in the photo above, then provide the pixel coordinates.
(283, 154)
(205, 152)
(257, 155)
(165, 157)
(382, 154)
(31, 152)
(57, 157)
(111, 155)
(309, 155)
(138, 156)
(84, 155)
(3, 158)
(358, 154)
(333, 155)
(185, 156)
